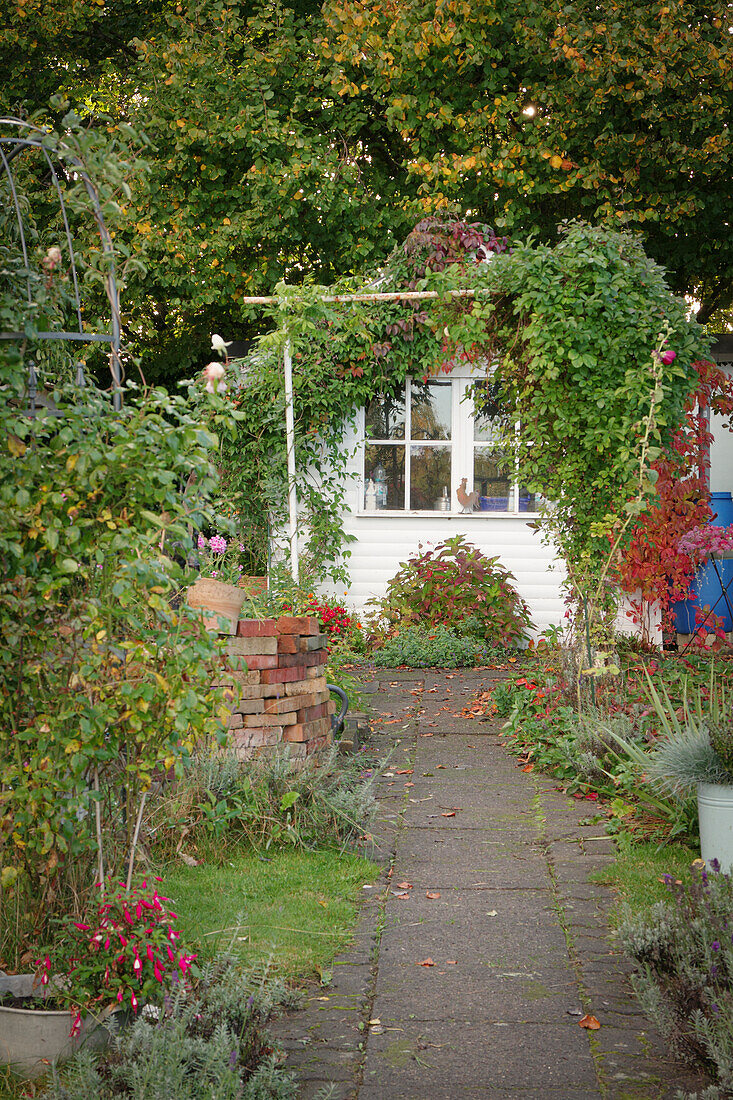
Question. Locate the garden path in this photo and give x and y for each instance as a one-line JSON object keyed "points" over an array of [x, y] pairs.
{"points": [[495, 866]]}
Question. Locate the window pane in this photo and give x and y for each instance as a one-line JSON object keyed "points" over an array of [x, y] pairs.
{"points": [[385, 417], [430, 408], [384, 466], [429, 477], [488, 416], [492, 484]]}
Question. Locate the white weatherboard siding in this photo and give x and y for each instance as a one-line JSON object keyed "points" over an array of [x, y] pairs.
{"points": [[384, 539]]}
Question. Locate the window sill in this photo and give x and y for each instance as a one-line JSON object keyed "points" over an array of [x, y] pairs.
{"points": [[387, 513]]}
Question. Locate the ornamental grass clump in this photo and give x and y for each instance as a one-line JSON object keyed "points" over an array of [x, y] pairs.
{"points": [[456, 586], [683, 950]]}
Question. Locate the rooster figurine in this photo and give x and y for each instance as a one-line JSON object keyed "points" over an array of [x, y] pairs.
{"points": [[468, 501]]}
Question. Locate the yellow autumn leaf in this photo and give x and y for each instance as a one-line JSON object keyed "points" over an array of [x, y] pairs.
{"points": [[556, 161], [8, 875]]}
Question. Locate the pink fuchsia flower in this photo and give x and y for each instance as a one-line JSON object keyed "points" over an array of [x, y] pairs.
{"points": [[668, 357], [218, 544], [76, 1026], [133, 999]]}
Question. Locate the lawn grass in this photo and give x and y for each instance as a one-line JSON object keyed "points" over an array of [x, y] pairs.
{"points": [[292, 908], [637, 873]]}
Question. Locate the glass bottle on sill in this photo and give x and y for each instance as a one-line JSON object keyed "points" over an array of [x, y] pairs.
{"points": [[370, 497], [380, 486]]}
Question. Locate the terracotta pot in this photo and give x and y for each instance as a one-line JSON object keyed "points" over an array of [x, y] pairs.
{"points": [[252, 586], [223, 602], [31, 1039]]}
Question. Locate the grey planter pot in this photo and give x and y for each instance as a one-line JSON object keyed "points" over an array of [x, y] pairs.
{"points": [[715, 807], [32, 1039]]}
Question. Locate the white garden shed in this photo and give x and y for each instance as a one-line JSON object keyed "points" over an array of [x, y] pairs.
{"points": [[408, 457]]}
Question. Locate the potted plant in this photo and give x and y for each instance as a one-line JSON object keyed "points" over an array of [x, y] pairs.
{"points": [[695, 756], [218, 589], [93, 976]]}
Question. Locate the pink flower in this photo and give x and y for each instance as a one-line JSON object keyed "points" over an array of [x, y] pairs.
{"points": [[201, 542], [76, 1026], [133, 999], [157, 971], [137, 965], [120, 995], [81, 927], [668, 357], [213, 373], [218, 544]]}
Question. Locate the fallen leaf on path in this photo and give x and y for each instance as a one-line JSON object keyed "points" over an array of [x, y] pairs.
{"points": [[399, 894], [451, 813], [590, 1022], [528, 768], [439, 766], [409, 785], [404, 771], [451, 962], [405, 885], [492, 913], [433, 895], [426, 962]]}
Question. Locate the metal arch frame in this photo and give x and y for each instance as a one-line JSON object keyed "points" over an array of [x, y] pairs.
{"points": [[33, 138]]}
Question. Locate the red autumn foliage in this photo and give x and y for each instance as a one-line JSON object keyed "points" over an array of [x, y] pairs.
{"points": [[653, 570]]}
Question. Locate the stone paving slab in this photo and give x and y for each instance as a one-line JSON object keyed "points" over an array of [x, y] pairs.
{"points": [[519, 935]]}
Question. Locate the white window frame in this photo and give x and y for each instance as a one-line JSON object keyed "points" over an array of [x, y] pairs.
{"points": [[461, 443]]}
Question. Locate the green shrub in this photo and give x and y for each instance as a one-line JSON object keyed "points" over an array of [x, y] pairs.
{"points": [[441, 648], [683, 950], [457, 586], [205, 1045]]}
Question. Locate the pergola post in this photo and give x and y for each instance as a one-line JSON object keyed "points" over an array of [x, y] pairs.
{"points": [[290, 438]]}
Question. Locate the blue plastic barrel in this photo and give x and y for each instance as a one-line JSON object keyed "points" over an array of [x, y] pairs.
{"points": [[722, 506], [705, 588]]}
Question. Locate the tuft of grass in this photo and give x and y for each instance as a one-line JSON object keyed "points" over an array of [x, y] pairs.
{"points": [[637, 873], [292, 908]]}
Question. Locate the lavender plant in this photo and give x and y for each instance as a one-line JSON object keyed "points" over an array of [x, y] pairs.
{"points": [[683, 949]]}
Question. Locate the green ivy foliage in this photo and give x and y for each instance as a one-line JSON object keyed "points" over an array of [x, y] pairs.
{"points": [[575, 335]]}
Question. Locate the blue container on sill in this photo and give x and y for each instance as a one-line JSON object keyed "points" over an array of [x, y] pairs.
{"points": [[493, 504]]}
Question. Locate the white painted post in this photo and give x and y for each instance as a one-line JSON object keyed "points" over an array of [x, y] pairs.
{"points": [[290, 436]]}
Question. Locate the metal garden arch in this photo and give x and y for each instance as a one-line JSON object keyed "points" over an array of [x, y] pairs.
{"points": [[17, 137]]}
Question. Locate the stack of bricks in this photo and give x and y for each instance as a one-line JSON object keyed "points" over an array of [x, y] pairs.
{"points": [[283, 697]]}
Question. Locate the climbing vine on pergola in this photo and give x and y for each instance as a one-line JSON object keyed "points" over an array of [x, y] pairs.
{"points": [[578, 335]]}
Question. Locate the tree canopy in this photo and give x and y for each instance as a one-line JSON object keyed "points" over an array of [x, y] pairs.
{"points": [[293, 141]]}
